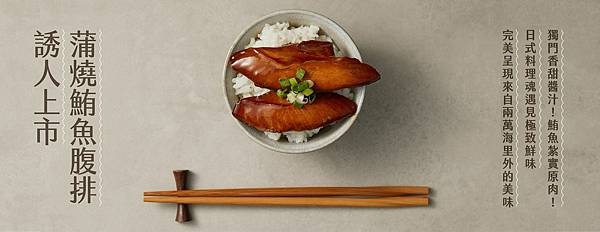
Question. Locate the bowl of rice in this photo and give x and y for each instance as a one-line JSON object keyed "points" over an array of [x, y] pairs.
{"points": [[283, 28]]}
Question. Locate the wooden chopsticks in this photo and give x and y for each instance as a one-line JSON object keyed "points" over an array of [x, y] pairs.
{"points": [[379, 191], [373, 196], [297, 201]]}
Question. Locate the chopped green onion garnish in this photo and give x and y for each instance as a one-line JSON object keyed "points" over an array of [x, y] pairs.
{"points": [[298, 105], [284, 83], [303, 85], [291, 97], [311, 98], [297, 93], [308, 92], [281, 93], [300, 73], [293, 81], [295, 88]]}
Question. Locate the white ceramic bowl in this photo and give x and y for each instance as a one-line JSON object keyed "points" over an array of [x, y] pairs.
{"points": [[343, 42]]}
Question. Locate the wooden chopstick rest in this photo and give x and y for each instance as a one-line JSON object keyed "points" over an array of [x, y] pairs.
{"points": [[183, 213]]}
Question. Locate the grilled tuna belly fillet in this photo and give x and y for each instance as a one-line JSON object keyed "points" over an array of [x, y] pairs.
{"points": [[265, 66], [271, 113]]}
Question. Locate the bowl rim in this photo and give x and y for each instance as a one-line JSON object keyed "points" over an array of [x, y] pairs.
{"points": [[358, 93]]}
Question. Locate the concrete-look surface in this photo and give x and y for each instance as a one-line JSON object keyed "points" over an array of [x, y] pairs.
{"points": [[433, 119]]}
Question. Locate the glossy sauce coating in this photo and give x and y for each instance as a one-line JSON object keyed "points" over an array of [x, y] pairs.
{"points": [[271, 113], [265, 66]]}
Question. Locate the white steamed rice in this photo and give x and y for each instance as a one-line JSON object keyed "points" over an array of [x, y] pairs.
{"points": [[277, 35]]}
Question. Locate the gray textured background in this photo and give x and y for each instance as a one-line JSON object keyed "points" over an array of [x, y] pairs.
{"points": [[432, 119]]}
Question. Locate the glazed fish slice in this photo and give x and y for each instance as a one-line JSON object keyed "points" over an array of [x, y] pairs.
{"points": [[266, 66], [270, 113], [290, 54]]}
